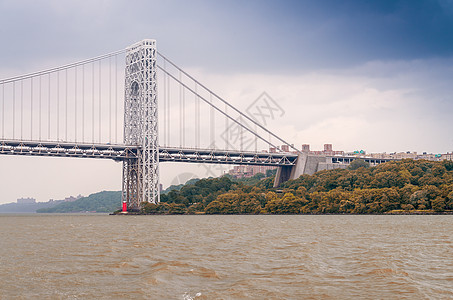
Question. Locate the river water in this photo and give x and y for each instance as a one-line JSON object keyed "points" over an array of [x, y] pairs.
{"points": [[225, 257]]}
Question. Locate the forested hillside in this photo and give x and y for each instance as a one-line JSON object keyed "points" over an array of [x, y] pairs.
{"points": [[406, 186], [105, 201]]}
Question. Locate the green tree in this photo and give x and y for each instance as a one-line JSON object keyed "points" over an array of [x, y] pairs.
{"points": [[270, 173], [358, 163]]}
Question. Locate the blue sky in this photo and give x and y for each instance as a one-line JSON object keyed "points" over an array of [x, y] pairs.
{"points": [[373, 75]]}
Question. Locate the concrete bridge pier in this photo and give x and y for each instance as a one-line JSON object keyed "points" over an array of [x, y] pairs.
{"points": [[283, 174], [305, 164]]}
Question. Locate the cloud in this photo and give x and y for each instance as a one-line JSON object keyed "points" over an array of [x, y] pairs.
{"points": [[385, 106]]}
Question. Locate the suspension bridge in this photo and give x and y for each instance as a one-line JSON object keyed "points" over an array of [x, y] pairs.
{"points": [[138, 107]]}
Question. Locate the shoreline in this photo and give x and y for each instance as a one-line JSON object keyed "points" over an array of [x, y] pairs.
{"points": [[393, 212]]}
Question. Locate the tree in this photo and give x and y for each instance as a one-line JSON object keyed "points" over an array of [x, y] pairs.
{"points": [[390, 179], [177, 209], [448, 164], [224, 204], [438, 204], [288, 204], [270, 173], [259, 176], [449, 201], [358, 163]]}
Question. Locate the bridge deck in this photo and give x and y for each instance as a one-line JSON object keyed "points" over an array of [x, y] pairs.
{"points": [[120, 152]]}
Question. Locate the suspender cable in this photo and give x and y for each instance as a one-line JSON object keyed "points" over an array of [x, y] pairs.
{"points": [[227, 129], [39, 126], [100, 113], [212, 124], [14, 108], [256, 141], [183, 116], [66, 106], [58, 106], [269, 145], [168, 111], [83, 103], [241, 140], [48, 109], [92, 103], [180, 113], [61, 68], [216, 107], [195, 119], [21, 109], [196, 116], [116, 99], [231, 106], [165, 106], [3, 111], [75, 105], [110, 100], [31, 109]]}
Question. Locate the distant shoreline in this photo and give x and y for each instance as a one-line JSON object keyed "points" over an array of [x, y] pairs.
{"points": [[394, 213]]}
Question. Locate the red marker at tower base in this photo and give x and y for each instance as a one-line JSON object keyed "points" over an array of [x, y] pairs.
{"points": [[124, 207]]}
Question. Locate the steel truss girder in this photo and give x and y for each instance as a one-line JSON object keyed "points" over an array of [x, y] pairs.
{"points": [[60, 149], [128, 153], [226, 157]]}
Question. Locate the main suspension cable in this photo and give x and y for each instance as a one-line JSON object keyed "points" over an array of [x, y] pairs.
{"points": [[215, 107], [61, 68], [226, 103]]}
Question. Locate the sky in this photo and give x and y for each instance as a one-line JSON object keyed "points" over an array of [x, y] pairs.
{"points": [[371, 75]]}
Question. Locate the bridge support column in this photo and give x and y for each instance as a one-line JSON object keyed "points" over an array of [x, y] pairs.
{"points": [[285, 173], [305, 164], [131, 185], [141, 176]]}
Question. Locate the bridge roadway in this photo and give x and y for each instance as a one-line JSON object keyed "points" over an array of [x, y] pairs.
{"points": [[119, 152]]}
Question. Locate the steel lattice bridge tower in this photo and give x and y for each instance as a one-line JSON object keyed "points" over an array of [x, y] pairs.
{"points": [[141, 174], [72, 111]]}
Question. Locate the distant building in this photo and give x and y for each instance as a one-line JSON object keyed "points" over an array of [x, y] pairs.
{"points": [[448, 156], [412, 155], [72, 198], [328, 150], [248, 171], [339, 159], [26, 200]]}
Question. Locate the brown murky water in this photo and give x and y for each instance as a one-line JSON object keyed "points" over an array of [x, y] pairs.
{"points": [[225, 257]]}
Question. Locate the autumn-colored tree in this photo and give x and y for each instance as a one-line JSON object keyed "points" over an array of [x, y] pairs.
{"points": [[405, 184], [288, 204], [438, 204]]}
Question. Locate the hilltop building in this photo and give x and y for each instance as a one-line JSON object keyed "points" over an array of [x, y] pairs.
{"points": [[333, 159], [245, 171], [26, 201]]}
